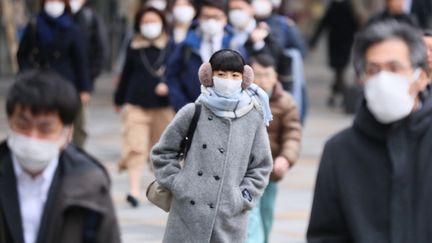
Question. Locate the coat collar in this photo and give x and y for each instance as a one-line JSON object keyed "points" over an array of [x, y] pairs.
{"points": [[139, 42], [194, 37], [277, 92], [417, 122]]}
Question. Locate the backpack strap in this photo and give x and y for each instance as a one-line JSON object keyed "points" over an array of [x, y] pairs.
{"points": [[187, 141]]}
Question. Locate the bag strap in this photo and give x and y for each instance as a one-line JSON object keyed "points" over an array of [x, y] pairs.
{"points": [[187, 141]]}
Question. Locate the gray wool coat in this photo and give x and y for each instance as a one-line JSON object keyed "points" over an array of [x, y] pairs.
{"points": [[227, 158]]}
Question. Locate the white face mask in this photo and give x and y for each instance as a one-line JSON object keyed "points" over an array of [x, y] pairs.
{"points": [[239, 18], [262, 8], [32, 154], [387, 96], [75, 6], [54, 9], [183, 14], [211, 27], [151, 30], [276, 3], [226, 87], [159, 5]]}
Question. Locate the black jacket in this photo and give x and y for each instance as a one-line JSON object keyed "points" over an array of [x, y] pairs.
{"points": [[65, 55], [94, 40], [374, 183], [143, 71], [78, 209], [341, 23]]}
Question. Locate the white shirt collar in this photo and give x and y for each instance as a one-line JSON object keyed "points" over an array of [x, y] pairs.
{"points": [[47, 175]]}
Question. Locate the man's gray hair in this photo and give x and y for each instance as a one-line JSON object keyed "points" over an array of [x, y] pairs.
{"points": [[386, 30]]}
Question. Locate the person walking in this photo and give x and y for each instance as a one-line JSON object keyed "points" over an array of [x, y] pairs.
{"points": [[340, 21], [143, 95], [52, 41], [210, 35], [374, 178], [285, 142], [229, 161], [94, 41], [50, 191]]}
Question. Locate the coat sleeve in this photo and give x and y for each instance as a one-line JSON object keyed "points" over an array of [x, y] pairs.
{"points": [[327, 223], [174, 70], [164, 153], [80, 63], [122, 86], [109, 231], [25, 47], [98, 52], [291, 133], [258, 171]]}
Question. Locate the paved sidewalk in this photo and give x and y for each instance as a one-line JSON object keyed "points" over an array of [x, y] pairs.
{"points": [[146, 224]]}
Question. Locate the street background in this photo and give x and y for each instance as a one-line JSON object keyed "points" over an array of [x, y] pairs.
{"points": [[146, 224]]}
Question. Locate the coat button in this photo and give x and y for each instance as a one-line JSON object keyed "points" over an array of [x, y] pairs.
{"points": [[210, 117], [204, 146], [200, 173], [192, 202], [211, 205], [217, 178], [221, 150]]}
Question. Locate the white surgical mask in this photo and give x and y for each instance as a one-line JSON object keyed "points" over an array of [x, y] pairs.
{"points": [[211, 27], [159, 5], [262, 8], [75, 6], [226, 87], [387, 96], [151, 30], [33, 154], [54, 9], [183, 14], [238, 18], [276, 3]]}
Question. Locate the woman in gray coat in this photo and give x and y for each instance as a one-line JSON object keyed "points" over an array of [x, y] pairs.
{"points": [[229, 161]]}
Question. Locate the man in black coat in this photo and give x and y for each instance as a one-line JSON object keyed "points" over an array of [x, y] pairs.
{"points": [[94, 40], [50, 191], [374, 184]]}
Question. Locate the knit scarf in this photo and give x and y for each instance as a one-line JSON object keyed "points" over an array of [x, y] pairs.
{"points": [[238, 104], [48, 27]]}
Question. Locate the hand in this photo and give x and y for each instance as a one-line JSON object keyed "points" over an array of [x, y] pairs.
{"points": [[260, 32], [280, 167], [161, 89], [85, 97]]}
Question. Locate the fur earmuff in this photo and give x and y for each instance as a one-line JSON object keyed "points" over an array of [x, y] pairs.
{"points": [[248, 76], [205, 75]]}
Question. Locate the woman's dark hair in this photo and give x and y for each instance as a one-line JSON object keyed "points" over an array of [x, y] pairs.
{"points": [[142, 12], [44, 92], [227, 60], [66, 2]]}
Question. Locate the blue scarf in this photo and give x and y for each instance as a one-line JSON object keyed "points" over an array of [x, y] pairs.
{"points": [[238, 104], [47, 26]]}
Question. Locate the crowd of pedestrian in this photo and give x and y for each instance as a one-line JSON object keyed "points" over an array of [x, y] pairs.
{"points": [[231, 72]]}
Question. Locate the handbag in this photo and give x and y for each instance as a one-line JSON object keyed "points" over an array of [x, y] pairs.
{"points": [[158, 195]]}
